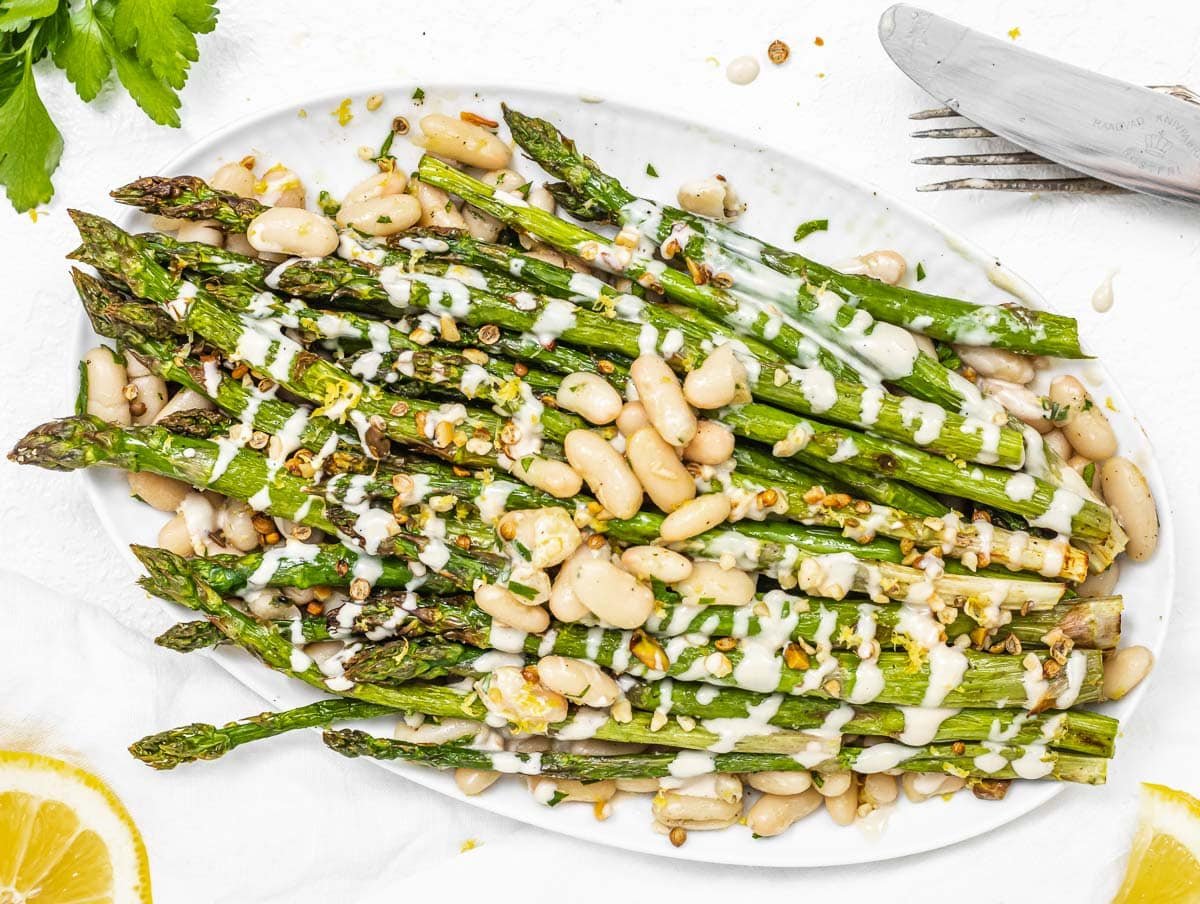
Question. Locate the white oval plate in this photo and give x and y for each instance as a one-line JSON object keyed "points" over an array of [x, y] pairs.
{"points": [[782, 191]]}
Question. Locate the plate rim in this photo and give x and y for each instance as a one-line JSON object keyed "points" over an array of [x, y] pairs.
{"points": [[866, 852]]}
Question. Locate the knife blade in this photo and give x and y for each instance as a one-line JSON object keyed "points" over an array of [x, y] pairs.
{"points": [[1122, 133]]}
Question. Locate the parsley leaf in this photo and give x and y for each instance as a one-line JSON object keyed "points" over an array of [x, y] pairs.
{"points": [[32, 146], [157, 100], [150, 43], [161, 38], [19, 14], [920, 271], [81, 54], [651, 171], [808, 228]]}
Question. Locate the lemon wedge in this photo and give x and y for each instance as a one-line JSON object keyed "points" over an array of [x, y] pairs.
{"points": [[1164, 865], [65, 838]]}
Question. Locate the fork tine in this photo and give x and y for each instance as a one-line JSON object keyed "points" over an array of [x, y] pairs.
{"points": [[1080, 185], [962, 132], [936, 113], [1015, 158]]}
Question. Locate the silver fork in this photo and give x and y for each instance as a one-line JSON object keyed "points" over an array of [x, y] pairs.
{"points": [[1070, 181]]}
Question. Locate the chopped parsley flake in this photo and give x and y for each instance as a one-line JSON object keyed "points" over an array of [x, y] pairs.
{"points": [[808, 228]]}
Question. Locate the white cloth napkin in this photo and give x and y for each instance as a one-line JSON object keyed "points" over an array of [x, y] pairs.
{"points": [[288, 821]]}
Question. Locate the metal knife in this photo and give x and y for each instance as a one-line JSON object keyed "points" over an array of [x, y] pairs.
{"points": [[1122, 133]]}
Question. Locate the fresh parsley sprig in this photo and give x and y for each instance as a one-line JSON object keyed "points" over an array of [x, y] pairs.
{"points": [[150, 44]]}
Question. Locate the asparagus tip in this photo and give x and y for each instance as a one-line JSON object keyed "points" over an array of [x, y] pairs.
{"points": [[185, 744], [187, 637], [65, 444]]}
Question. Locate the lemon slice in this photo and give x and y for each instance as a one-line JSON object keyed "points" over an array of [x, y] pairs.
{"points": [[1164, 865], [65, 838]]}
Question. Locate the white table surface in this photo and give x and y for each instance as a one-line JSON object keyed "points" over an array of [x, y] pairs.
{"points": [[373, 837]]}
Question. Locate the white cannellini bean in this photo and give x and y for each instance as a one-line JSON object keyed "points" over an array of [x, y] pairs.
{"points": [[540, 197], [549, 534], [381, 185], [322, 651], [504, 606], [1101, 584], [695, 517], [704, 802], [637, 785], [998, 363], [1058, 442], [590, 396], [381, 216], [604, 471], [570, 790], [564, 604], [504, 179], [773, 814], [430, 732], [151, 390], [632, 418], [784, 784], [175, 537], [165, 224], [557, 478], [531, 744], [206, 232], [267, 604], [659, 470], [1079, 464], [292, 230], [1019, 401], [879, 788], [239, 244], [162, 493], [234, 521], [712, 444], [184, 400], [843, 808], [834, 783], [920, 786], [581, 682], [597, 747], [235, 179], [710, 584], [610, 593], [1128, 494], [106, 379], [301, 596], [664, 565], [712, 197], [924, 345], [480, 225], [1086, 426], [718, 381], [280, 187], [508, 693], [884, 265], [661, 395], [546, 254], [534, 582], [1125, 669], [474, 781], [463, 141], [436, 207]]}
